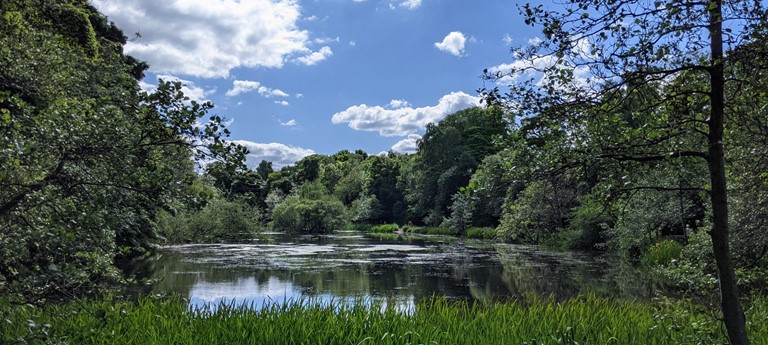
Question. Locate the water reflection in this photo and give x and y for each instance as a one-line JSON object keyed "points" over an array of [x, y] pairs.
{"points": [[351, 266]]}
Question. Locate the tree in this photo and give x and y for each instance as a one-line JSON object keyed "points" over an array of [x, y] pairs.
{"points": [[448, 154], [264, 169], [599, 55], [87, 158]]}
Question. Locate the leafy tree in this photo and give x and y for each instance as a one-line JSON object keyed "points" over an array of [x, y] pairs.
{"points": [[220, 220], [264, 169], [87, 158], [461, 213], [383, 175], [310, 210], [448, 154], [597, 53], [238, 184]]}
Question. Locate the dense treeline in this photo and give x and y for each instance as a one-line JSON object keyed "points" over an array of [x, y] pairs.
{"points": [[87, 160], [94, 171]]}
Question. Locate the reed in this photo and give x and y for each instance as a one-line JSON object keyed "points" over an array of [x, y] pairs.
{"points": [[582, 320], [385, 228]]}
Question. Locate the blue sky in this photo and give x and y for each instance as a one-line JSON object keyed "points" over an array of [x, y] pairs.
{"points": [[319, 76]]}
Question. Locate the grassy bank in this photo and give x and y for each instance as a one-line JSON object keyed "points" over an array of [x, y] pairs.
{"points": [[585, 320]]}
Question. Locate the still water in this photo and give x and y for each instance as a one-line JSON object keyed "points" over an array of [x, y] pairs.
{"points": [[351, 265]]}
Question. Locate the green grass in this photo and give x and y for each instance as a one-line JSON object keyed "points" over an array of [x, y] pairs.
{"points": [[431, 230], [481, 233], [663, 253], [583, 320], [385, 228]]}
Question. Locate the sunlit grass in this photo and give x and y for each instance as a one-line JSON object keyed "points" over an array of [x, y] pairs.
{"points": [[385, 228], [583, 320]]}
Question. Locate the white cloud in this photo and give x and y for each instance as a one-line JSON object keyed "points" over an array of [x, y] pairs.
{"points": [[194, 92], [289, 123], [208, 38], [532, 68], [147, 87], [407, 145], [453, 43], [352, 43], [299, 95], [535, 41], [311, 18], [315, 57], [411, 4], [283, 103], [398, 103], [402, 121], [326, 40], [245, 86], [279, 154], [507, 39]]}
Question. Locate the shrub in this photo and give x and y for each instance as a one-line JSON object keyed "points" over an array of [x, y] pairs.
{"points": [[481, 233], [385, 228], [662, 253], [321, 215], [220, 220], [441, 231]]}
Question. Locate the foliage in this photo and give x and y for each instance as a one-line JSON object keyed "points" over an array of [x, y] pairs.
{"points": [[694, 272], [220, 220], [651, 80], [480, 233], [663, 253], [87, 158], [385, 228], [448, 154], [430, 230], [589, 223], [539, 209], [310, 210], [461, 213], [581, 320]]}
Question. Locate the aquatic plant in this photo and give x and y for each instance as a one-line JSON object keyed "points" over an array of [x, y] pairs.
{"points": [[533, 320]]}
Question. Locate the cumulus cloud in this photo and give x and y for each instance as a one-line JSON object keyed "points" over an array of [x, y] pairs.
{"points": [[315, 57], [520, 70], [411, 4], [279, 154], [326, 40], [453, 43], [407, 145], [507, 39], [245, 86], [289, 123], [535, 41], [194, 92], [208, 38], [405, 120], [398, 103], [283, 103], [531, 67]]}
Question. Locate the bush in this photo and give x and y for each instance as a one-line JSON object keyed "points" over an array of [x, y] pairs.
{"points": [[321, 215], [441, 231], [220, 220], [430, 230], [662, 253], [385, 228], [481, 233]]}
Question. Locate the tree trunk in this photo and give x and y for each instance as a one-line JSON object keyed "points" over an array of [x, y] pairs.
{"points": [[735, 322]]}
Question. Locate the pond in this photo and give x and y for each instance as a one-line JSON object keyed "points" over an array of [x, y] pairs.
{"points": [[353, 266]]}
